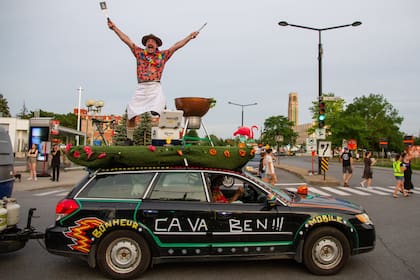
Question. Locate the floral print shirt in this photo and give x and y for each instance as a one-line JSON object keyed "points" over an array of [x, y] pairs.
{"points": [[150, 66]]}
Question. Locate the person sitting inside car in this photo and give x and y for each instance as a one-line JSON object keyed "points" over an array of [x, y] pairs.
{"points": [[218, 195]]}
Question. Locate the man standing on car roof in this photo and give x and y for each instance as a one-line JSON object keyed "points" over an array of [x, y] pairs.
{"points": [[150, 64]]}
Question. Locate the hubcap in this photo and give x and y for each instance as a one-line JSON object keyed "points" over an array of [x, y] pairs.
{"points": [[327, 252], [123, 255]]}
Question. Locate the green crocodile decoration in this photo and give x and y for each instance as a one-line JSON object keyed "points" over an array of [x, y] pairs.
{"points": [[108, 157]]}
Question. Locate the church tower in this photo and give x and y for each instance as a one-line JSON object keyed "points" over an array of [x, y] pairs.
{"points": [[293, 108]]}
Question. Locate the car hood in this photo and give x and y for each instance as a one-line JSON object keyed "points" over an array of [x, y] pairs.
{"points": [[318, 201]]}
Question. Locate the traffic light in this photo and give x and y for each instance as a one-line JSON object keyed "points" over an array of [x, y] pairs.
{"points": [[321, 116]]}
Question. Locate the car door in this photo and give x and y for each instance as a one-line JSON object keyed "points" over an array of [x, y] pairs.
{"points": [[177, 213], [249, 225]]}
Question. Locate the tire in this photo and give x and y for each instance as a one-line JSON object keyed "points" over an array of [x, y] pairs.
{"points": [[123, 254], [326, 251]]}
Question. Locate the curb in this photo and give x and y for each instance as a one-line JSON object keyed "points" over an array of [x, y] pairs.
{"points": [[67, 179], [317, 180]]}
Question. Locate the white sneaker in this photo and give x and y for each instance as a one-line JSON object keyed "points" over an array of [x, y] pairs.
{"points": [[36, 179], [30, 178], [362, 185]]}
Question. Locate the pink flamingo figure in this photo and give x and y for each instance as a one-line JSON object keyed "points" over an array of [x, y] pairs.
{"points": [[246, 131]]}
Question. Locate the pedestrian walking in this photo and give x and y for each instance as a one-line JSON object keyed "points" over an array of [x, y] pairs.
{"points": [[347, 162], [406, 163], [261, 166], [399, 176], [150, 64], [271, 176], [367, 170], [55, 163]]}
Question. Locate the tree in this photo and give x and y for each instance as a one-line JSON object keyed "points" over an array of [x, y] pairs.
{"points": [[120, 136], [4, 107], [278, 126], [377, 119], [367, 119], [143, 133]]}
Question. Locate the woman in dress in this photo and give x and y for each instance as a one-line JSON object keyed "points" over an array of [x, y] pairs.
{"points": [[367, 171], [408, 183], [32, 156]]}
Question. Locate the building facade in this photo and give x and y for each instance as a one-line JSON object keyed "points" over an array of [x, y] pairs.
{"points": [[18, 130], [293, 115]]}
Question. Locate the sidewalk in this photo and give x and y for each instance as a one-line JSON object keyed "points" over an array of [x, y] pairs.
{"points": [[317, 180], [67, 179]]}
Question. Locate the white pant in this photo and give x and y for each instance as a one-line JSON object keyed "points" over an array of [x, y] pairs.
{"points": [[148, 97]]}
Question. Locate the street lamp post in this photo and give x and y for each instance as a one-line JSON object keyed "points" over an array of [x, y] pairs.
{"points": [[78, 114], [242, 107], [320, 51], [95, 107]]}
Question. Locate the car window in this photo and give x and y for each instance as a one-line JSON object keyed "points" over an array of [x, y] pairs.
{"points": [[125, 185], [250, 193], [186, 186]]}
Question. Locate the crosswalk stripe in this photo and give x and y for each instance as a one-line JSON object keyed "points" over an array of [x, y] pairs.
{"points": [[372, 190], [336, 191], [385, 189], [354, 191], [61, 194], [47, 193], [413, 190], [315, 190], [290, 184]]}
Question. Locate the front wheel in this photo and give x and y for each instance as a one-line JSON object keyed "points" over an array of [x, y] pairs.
{"points": [[326, 251], [123, 254]]}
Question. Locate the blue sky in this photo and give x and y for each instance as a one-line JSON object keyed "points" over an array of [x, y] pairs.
{"points": [[51, 47]]}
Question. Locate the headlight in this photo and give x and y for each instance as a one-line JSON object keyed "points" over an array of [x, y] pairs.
{"points": [[364, 218], [250, 169]]}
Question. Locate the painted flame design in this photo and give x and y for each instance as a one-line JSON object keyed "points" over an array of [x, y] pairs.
{"points": [[78, 234]]}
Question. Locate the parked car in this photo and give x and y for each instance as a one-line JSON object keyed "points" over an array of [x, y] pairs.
{"points": [[253, 165], [124, 221]]}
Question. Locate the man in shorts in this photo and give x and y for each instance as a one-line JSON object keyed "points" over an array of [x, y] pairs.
{"points": [[347, 161]]}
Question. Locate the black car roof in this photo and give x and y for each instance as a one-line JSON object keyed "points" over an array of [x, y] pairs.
{"points": [[163, 168]]}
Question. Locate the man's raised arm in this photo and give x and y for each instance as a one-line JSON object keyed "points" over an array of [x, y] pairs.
{"points": [[120, 34], [184, 41]]}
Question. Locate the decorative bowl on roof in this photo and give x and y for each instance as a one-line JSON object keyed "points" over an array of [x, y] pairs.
{"points": [[194, 106]]}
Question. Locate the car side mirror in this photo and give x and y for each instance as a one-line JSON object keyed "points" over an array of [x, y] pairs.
{"points": [[270, 201]]}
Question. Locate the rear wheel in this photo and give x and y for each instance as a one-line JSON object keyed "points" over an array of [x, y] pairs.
{"points": [[123, 254], [326, 251]]}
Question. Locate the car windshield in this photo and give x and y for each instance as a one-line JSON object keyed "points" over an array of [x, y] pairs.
{"points": [[280, 193]]}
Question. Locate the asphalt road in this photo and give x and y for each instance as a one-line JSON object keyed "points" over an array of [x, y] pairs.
{"points": [[395, 256]]}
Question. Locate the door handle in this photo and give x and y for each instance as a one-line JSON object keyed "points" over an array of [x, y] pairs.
{"points": [[150, 213], [224, 214]]}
